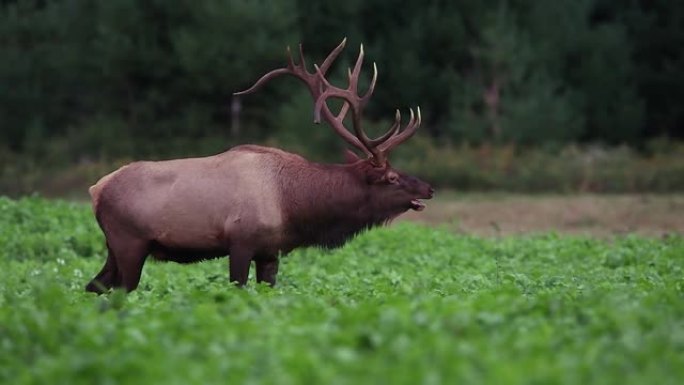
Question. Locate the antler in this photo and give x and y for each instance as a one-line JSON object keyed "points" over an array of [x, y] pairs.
{"points": [[397, 137], [352, 99], [321, 90], [315, 87]]}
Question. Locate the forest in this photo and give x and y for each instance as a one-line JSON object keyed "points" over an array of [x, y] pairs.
{"points": [[85, 81]]}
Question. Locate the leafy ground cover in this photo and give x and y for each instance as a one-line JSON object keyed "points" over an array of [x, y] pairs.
{"points": [[405, 304]]}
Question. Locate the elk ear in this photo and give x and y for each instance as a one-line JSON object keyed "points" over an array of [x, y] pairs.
{"points": [[350, 156]]}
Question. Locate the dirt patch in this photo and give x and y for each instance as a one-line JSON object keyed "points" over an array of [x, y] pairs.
{"points": [[595, 215]]}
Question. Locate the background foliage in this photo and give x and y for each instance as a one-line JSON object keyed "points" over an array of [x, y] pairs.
{"points": [[148, 78], [552, 91], [405, 305]]}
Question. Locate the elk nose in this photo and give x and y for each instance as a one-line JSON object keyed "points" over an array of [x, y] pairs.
{"points": [[431, 192]]}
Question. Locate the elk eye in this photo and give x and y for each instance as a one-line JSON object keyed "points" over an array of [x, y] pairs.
{"points": [[392, 178]]}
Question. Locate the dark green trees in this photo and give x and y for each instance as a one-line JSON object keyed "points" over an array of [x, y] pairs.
{"points": [[133, 77]]}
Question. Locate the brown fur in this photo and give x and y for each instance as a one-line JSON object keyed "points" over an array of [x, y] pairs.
{"points": [[253, 203]]}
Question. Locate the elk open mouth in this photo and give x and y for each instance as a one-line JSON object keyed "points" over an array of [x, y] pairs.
{"points": [[417, 205]]}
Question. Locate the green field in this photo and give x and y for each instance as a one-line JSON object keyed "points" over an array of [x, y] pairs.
{"points": [[407, 304]]}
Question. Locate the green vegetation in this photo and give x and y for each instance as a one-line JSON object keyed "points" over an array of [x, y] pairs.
{"points": [[405, 304], [567, 169]]}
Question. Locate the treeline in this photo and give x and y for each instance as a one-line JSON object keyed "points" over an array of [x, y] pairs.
{"points": [[88, 78]]}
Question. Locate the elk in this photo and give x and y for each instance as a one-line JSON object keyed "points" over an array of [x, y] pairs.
{"points": [[255, 203]]}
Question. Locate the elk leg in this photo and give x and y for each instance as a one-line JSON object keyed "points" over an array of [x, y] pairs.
{"points": [[239, 262], [106, 278], [266, 271], [129, 254]]}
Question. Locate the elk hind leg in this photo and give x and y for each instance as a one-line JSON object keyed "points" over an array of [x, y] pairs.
{"points": [[129, 254], [239, 262], [107, 278], [266, 270]]}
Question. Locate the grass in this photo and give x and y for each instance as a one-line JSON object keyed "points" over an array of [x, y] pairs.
{"points": [[405, 304]]}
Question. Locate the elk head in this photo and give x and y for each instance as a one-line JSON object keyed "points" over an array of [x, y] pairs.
{"points": [[396, 189]]}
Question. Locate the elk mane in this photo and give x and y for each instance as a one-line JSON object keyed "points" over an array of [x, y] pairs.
{"points": [[334, 207]]}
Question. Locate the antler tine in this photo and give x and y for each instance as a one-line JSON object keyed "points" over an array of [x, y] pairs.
{"points": [[262, 80], [354, 75], [371, 88], [291, 69], [391, 132], [332, 56], [290, 61], [298, 70], [404, 135], [343, 111], [302, 61]]}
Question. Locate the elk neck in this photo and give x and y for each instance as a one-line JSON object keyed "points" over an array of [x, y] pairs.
{"points": [[327, 204]]}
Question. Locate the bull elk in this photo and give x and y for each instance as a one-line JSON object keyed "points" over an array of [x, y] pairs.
{"points": [[255, 203]]}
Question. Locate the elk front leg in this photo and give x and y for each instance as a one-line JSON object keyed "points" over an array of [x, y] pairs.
{"points": [[266, 270], [239, 261]]}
